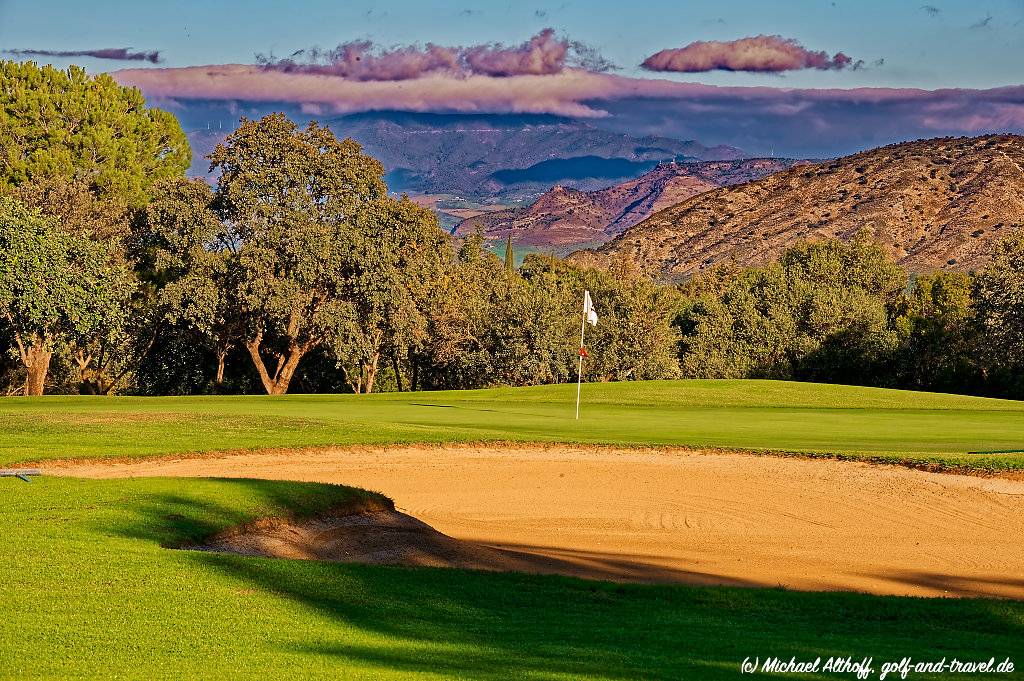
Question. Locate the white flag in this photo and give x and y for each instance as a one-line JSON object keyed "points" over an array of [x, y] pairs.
{"points": [[588, 309]]}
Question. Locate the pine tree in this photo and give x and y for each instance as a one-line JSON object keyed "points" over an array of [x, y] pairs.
{"points": [[510, 258]]}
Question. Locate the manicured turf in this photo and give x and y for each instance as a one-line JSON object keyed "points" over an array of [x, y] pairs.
{"points": [[758, 415], [87, 590]]}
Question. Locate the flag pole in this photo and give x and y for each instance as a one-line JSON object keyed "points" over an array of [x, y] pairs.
{"points": [[579, 371]]}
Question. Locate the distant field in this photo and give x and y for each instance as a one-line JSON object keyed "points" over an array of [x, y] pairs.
{"points": [[520, 251], [451, 210], [877, 424], [88, 590]]}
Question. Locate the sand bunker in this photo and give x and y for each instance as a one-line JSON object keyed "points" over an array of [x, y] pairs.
{"points": [[373, 534], [648, 516]]}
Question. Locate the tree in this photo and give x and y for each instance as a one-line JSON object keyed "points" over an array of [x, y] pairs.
{"points": [[822, 312], [76, 206], [940, 341], [634, 339], [55, 287], [299, 205], [456, 303], [510, 256], [84, 130], [398, 249], [189, 254], [999, 300]]}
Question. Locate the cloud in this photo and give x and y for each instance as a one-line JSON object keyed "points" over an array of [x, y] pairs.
{"points": [[113, 53], [543, 54], [931, 10], [760, 54], [804, 122], [563, 93], [983, 23]]}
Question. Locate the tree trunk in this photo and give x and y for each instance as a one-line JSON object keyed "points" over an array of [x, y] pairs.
{"points": [[398, 370], [371, 372], [222, 356], [284, 377], [286, 365], [87, 386], [37, 362], [414, 380]]}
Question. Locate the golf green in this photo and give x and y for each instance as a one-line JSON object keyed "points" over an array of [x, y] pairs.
{"points": [[951, 431]]}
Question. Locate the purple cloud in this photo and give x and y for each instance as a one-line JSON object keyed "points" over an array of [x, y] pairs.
{"points": [[543, 54], [112, 53], [360, 60], [792, 121], [759, 54]]}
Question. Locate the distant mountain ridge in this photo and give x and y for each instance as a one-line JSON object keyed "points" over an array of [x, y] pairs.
{"points": [[564, 216], [932, 204], [512, 156]]}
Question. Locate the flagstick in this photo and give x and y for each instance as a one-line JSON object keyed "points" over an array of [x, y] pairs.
{"points": [[579, 372]]}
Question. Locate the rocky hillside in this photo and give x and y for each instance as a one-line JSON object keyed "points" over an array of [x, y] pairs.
{"points": [[565, 217], [933, 204]]}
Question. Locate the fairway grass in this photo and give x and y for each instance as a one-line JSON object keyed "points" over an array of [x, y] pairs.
{"points": [[89, 589], [914, 428]]}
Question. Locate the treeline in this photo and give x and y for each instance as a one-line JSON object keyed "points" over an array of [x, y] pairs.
{"points": [[846, 313], [298, 271]]}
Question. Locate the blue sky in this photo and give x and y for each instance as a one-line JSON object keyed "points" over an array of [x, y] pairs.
{"points": [[919, 49]]}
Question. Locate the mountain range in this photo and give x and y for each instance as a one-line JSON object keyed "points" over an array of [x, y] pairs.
{"points": [[564, 216], [495, 156], [932, 204]]}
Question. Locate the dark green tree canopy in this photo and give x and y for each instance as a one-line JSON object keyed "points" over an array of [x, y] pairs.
{"points": [[999, 296], [820, 313]]}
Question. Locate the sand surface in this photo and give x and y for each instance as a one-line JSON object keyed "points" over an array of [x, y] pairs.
{"points": [[673, 516]]}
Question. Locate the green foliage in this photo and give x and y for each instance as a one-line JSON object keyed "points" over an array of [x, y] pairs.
{"points": [[634, 338], [820, 313], [290, 198], [77, 208], [86, 152], [397, 251], [66, 124], [187, 253], [999, 298], [321, 256], [510, 255], [488, 326], [941, 346], [56, 288]]}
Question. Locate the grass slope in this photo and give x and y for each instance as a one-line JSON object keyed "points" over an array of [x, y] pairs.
{"points": [[88, 590], [758, 415]]}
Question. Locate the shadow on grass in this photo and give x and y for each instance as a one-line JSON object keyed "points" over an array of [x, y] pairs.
{"points": [[972, 586], [509, 625], [174, 520]]}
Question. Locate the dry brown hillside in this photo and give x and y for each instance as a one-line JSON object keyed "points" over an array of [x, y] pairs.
{"points": [[566, 217], [937, 203]]}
